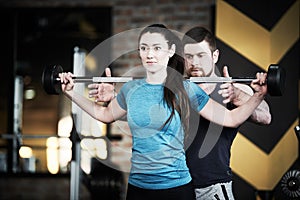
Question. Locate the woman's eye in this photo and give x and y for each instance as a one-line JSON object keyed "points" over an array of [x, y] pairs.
{"points": [[143, 48], [157, 48]]}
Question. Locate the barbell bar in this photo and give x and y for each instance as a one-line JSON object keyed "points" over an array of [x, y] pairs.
{"points": [[275, 80], [7, 136]]}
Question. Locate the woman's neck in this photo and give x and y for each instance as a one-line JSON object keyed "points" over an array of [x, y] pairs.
{"points": [[158, 77]]}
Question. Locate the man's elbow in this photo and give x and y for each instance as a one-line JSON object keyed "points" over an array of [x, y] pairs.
{"points": [[265, 119], [268, 119]]}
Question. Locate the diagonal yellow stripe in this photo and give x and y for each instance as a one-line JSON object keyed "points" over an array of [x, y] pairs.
{"points": [[285, 33], [240, 33], [263, 171], [262, 48], [253, 41]]}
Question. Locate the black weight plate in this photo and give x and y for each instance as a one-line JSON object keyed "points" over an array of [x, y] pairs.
{"points": [[276, 80], [49, 82]]}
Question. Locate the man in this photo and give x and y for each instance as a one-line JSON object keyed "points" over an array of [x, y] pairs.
{"points": [[208, 159]]}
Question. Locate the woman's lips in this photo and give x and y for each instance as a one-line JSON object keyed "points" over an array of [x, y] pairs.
{"points": [[151, 62]]}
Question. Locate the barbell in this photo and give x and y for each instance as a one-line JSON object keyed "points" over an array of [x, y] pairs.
{"points": [[275, 80]]}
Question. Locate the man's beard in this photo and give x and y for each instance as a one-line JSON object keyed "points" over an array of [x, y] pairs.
{"points": [[199, 73]]}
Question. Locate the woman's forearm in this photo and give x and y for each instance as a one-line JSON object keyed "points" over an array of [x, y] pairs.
{"points": [[95, 110], [218, 114], [261, 114], [246, 110]]}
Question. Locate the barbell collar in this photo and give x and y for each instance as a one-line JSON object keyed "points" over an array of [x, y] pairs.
{"points": [[112, 79], [219, 80]]}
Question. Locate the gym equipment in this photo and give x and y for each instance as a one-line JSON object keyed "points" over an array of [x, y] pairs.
{"points": [[290, 184], [275, 80]]}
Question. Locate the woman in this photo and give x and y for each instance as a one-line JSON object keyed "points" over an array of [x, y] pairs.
{"points": [[157, 110]]}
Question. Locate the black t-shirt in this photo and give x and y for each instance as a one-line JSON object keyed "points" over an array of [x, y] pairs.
{"points": [[208, 148]]}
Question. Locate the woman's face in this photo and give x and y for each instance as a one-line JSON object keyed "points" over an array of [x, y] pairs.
{"points": [[154, 52]]}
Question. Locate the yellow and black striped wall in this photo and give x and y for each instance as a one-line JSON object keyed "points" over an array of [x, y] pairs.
{"points": [[251, 35]]}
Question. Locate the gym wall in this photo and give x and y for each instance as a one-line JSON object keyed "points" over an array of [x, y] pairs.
{"points": [[251, 36]]}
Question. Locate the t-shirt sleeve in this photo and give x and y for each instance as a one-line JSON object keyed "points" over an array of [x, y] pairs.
{"points": [[198, 98]]}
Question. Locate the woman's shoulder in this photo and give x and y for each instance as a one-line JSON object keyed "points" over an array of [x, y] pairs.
{"points": [[188, 83], [192, 87], [133, 83]]}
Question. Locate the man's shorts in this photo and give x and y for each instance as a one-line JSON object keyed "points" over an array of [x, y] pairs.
{"points": [[219, 191]]}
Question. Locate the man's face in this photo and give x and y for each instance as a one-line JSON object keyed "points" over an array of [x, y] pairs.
{"points": [[199, 60]]}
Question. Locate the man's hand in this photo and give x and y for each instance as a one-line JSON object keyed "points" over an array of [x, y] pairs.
{"points": [[259, 84], [239, 94], [102, 92], [227, 90]]}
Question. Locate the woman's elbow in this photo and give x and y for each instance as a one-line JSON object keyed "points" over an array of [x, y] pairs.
{"points": [[232, 120], [106, 119], [234, 123]]}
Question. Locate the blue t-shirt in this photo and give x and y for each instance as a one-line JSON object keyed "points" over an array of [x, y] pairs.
{"points": [[158, 157]]}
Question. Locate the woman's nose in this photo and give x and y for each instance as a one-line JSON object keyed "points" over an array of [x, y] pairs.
{"points": [[150, 53]]}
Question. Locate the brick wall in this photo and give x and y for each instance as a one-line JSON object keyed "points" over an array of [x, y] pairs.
{"points": [[176, 14]]}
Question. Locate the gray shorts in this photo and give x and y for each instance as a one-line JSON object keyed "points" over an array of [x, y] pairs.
{"points": [[219, 191]]}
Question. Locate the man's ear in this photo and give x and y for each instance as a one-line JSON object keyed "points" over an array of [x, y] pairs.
{"points": [[215, 56], [172, 50]]}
